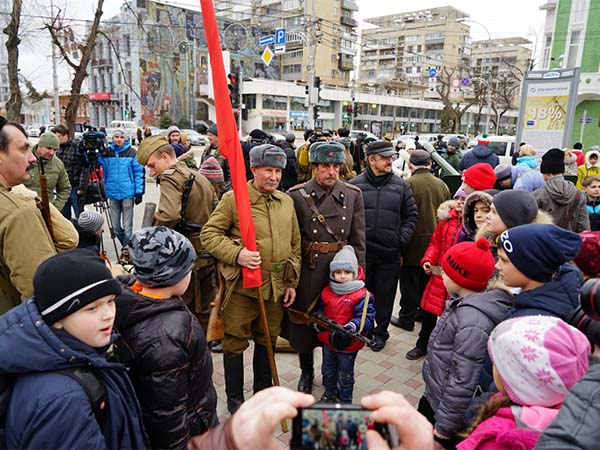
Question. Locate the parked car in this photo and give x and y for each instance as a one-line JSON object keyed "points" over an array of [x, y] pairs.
{"points": [[194, 137], [354, 134], [33, 130]]}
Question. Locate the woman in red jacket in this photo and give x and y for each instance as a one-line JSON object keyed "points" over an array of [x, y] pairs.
{"points": [[434, 297]]}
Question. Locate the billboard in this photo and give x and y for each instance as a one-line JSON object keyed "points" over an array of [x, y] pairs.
{"points": [[548, 100]]}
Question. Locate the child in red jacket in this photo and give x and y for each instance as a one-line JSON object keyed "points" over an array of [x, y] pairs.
{"points": [[346, 301], [435, 295]]}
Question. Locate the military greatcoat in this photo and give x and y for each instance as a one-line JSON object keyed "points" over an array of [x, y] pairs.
{"points": [[344, 212]]}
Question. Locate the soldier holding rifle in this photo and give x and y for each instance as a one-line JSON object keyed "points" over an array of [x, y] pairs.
{"points": [[278, 240], [185, 204]]}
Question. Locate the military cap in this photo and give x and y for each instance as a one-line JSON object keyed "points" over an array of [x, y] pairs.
{"points": [[149, 146], [327, 153], [268, 155]]}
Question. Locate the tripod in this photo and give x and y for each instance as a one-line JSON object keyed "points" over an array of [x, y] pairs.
{"points": [[100, 202]]}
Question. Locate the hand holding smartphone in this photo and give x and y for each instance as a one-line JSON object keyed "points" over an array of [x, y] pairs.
{"points": [[337, 426]]}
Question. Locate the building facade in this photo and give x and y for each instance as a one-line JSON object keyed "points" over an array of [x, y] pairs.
{"points": [[570, 40]]}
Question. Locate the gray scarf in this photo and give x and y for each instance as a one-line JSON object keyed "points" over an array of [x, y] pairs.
{"points": [[346, 288]]}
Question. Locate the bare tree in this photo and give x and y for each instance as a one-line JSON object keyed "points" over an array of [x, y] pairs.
{"points": [[452, 106], [13, 107], [63, 37]]}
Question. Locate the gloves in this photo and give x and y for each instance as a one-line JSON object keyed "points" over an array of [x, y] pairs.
{"points": [[138, 199], [350, 326]]}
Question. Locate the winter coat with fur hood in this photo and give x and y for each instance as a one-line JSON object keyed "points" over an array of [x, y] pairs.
{"points": [[587, 170], [456, 352], [445, 236], [469, 227]]}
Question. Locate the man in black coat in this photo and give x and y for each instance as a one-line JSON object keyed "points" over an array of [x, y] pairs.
{"points": [[391, 217]]}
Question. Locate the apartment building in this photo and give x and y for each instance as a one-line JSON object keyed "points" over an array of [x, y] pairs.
{"points": [[571, 40], [398, 50]]}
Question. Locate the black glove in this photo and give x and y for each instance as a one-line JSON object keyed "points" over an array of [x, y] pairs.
{"points": [[138, 199]]}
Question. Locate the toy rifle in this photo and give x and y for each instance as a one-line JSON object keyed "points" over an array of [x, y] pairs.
{"points": [[215, 329], [331, 325], [45, 202]]}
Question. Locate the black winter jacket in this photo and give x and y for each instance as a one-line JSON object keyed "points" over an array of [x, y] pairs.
{"points": [[390, 215], [171, 367]]}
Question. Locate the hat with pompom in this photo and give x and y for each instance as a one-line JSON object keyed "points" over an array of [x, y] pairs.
{"points": [[469, 264]]}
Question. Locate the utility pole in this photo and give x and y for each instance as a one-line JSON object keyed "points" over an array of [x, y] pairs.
{"points": [[312, 49], [55, 75]]}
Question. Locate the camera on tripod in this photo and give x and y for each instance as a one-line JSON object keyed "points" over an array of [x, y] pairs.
{"points": [[92, 142], [586, 317], [91, 145]]}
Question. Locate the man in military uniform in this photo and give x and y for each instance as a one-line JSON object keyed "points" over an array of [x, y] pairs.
{"points": [[278, 256], [331, 214], [59, 188], [24, 238], [185, 204]]}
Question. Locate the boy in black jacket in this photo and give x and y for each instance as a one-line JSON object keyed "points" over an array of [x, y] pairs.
{"points": [[171, 366]]}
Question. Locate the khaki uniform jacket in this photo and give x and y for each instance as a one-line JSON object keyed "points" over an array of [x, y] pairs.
{"points": [[429, 192], [277, 237], [59, 187], [199, 204], [24, 244]]}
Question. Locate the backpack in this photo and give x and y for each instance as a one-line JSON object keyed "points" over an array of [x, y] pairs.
{"points": [[302, 163], [92, 385]]}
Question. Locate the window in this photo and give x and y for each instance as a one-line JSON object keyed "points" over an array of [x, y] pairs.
{"points": [[297, 104], [292, 68], [274, 102], [335, 12], [249, 100], [127, 45], [412, 38], [574, 49]]}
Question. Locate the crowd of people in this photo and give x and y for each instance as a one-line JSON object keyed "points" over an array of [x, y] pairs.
{"points": [[493, 270]]}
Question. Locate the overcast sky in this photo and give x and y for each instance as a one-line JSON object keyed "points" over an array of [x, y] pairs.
{"points": [[503, 18]]}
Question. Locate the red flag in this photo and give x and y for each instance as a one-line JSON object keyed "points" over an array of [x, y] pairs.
{"points": [[229, 143]]}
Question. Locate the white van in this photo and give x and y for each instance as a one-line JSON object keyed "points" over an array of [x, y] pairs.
{"points": [[503, 146]]}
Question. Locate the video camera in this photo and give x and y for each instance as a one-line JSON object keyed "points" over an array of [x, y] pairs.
{"points": [[319, 135], [92, 142], [586, 317]]}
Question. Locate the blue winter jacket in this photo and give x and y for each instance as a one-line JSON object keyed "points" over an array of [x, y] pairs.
{"points": [[123, 175], [49, 410], [557, 298], [479, 154]]}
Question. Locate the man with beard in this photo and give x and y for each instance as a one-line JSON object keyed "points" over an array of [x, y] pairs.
{"points": [[391, 218], [331, 214]]}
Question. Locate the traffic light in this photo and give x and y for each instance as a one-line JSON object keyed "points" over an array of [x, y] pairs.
{"points": [[126, 114], [234, 89], [318, 86], [316, 112], [133, 113], [355, 110]]}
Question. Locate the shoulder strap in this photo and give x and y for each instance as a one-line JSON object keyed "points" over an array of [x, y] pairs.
{"points": [[187, 188], [311, 204], [94, 389], [364, 312]]}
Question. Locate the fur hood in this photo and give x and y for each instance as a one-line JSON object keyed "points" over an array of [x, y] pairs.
{"points": [[468, 219], [542, 217], [443, 211], [587, 158]]}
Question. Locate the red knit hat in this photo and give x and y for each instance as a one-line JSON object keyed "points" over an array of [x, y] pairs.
{"points": [[469, 264], [480, 176], [588, 259]]}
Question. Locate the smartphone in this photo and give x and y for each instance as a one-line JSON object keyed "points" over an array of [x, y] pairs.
{"points": [[336, 426]]}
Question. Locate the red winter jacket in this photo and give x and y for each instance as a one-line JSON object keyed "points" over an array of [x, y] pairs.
{"points": [[344, 309], [445, 236]]}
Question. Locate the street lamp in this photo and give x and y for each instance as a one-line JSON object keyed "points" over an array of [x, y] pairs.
{"points": [[489, 74]]}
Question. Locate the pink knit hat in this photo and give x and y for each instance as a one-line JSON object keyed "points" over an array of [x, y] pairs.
{"points": [[539, 358]]}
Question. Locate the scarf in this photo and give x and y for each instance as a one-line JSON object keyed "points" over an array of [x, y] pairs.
{"points": [[346, 288], [377, 180]]}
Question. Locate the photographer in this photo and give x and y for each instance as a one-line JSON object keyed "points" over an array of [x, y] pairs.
{"points": [[253, 425]]}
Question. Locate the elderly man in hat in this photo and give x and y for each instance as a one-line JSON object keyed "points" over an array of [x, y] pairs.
{"points": [[331, 214], [185, 204], [278, 256], [124, 185], [430, 192], [59, 188], [391, 217]]}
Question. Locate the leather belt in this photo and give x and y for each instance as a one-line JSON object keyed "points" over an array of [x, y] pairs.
{"points": [[326, 247], [272, 267]]}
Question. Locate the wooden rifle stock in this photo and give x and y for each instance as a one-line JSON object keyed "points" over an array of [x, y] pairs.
{"points": [[45, 202], [215, 329]]}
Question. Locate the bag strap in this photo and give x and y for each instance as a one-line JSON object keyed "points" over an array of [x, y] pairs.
{"points": [[187, 188], [94, 390], [363, 316], [311, 204]]}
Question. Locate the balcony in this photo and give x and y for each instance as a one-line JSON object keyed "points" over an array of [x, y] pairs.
{"points": [[345, 62], [350, 5], [348, 21], [98, 62]]}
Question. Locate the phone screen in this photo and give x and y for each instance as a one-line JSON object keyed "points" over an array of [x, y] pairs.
{"points": [[336, 426]]}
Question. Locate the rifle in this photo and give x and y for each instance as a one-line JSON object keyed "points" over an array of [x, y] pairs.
{"points": [[215, 329], [331, 325], [45, 206]]}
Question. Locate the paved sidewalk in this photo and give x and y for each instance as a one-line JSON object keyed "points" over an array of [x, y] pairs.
{"points": [[374, 371]]}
